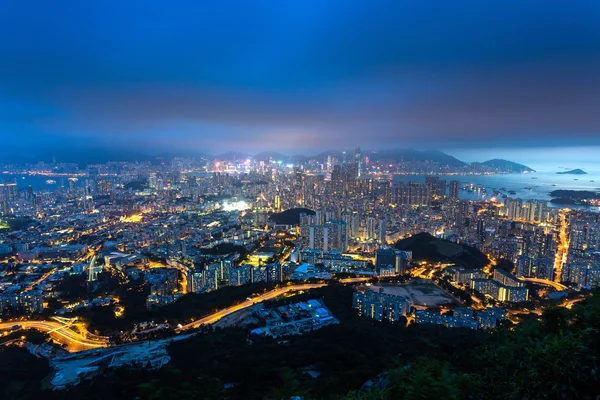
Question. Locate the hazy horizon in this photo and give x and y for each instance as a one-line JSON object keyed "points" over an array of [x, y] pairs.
{"points": [[291, 76]]}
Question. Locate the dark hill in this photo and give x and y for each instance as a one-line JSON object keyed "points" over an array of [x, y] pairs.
{"points": [[425, 247], [136, 185], [575, 194], [291, 216]]}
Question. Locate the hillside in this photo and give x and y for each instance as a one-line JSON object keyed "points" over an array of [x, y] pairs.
{"points": [[575, 194], [501, 165], [426, 247], [291, 216], [266, 155]]}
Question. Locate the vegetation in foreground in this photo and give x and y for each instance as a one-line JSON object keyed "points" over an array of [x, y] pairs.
{"points": [[555, 357]]}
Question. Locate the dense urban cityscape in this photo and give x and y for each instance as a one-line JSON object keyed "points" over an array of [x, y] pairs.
{"points": [[284, 200], [129, 238]]}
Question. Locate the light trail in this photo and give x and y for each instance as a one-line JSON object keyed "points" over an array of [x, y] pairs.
{"points": [[555, 285], [563, 246], [61, 332], [211, 319], [78, 342]]}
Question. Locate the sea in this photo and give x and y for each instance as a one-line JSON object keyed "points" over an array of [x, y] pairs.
{"points": [[39, 183], [528, 186]]}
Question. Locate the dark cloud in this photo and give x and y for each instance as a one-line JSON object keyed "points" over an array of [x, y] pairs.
{"points": [[295, 76]]}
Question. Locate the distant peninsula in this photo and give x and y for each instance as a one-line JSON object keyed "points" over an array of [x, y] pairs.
{"points": [[573, 172]]}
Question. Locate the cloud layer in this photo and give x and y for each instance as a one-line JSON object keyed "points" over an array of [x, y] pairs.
{"points": [[272, 75]]}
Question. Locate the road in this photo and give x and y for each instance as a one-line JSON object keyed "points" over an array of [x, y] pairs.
{"points": [[555, 285], [355, 280], [211, 319], [569, 303], [563, 246], [61, 333]]}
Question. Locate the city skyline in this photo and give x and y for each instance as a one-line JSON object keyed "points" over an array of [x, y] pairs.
{"points": [[299, 200], [299, 78]]}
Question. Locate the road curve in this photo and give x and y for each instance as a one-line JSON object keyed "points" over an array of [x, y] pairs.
{"points": [[77, 342], [60, 332], [555, 285]]}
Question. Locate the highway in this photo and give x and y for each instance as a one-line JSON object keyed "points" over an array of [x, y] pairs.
{"points": [[212, 318], [355, 280], [59, 332], [555, 285]]}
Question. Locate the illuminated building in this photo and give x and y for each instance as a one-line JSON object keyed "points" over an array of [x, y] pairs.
{"points": [[259, 274], [382, 231], [380, 306], [454, 190], [427, 317], [398, 259], [240, 275]]}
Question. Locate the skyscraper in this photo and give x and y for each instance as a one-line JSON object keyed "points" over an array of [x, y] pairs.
{"points": [[358, 160], [382, 231], [454, 190]]}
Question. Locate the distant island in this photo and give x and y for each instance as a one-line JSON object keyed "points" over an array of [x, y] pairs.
{"points": [[575, 197], [573, 172]]}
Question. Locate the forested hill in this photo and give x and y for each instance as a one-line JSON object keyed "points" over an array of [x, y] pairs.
{"points": [[426, 247], [291, 216]]}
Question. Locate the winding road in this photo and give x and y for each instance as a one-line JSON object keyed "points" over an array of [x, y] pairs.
{"points": [[60, 329], [60, 332]]}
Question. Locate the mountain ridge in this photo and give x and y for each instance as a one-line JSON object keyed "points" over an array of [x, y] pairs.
{"points": [[505, 165], [98, 156]]}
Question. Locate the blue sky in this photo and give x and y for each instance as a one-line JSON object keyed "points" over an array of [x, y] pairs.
{"points": [[298, 76]]}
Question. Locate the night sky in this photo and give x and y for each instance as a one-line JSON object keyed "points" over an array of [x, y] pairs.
{"points": [[469, 77]]}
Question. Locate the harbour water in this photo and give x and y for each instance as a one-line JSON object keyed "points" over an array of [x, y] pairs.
{"points": [[529, 186], [37, 182]]}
